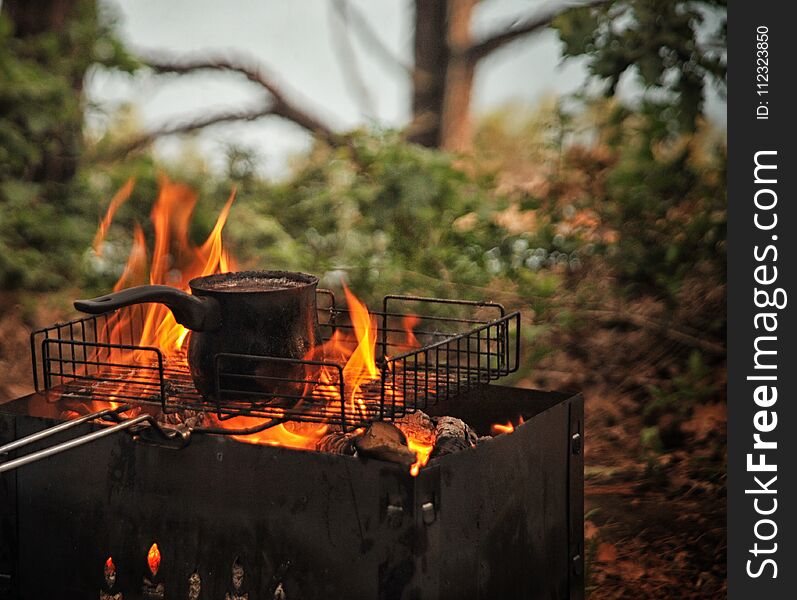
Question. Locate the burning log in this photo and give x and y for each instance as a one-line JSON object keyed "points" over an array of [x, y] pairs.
{"points": [[338, 442], [418, 426], [452, 435], [385, 441], [412, 440]]}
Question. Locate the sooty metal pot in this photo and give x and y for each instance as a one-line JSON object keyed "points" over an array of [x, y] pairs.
{"points": [[260, 313]]}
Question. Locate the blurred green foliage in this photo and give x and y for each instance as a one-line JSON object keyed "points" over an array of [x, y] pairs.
{"points": [[43, 209], [674, 48], [666, 198], [550, 207], [381, 214]]}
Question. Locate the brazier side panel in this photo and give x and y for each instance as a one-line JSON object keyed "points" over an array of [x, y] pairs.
{"points": [[512, 537], [502, 520]]}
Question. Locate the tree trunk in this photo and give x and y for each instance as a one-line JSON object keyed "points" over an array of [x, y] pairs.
{"points": [[429, 74], [62, 144], [31, 18], [443, 75], [457, 132]]}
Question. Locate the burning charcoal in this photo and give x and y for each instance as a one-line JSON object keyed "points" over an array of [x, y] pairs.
{"points": [[337, 442], [189, 418], [417, 426], [153, 589], [171, 388], [237, 592], [452, 435], [275, 588], [109, 574], [194, 586], [75, 391], [385, 441], [279, 593]]}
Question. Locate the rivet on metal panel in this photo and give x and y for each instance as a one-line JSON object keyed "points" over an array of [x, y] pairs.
{"points": [[577, 564], [394, 515], [427, 510], [575, 443]]}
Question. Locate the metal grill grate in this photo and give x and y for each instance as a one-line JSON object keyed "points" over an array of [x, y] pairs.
{"points": [[453, 345]]}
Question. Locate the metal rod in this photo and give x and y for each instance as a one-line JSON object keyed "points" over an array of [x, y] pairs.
{"points": [[45, 433], [74, 443]]}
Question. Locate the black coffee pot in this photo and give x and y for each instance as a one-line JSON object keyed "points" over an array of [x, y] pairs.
{"points": [[258, 313]]}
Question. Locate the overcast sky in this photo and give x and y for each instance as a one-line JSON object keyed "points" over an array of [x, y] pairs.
{"points": [[296, 40]]}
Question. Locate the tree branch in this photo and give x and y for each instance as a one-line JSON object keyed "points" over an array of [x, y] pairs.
{"points": [[280, 105], [527, 26], [363, 29], [145, 139], [339, 23]]}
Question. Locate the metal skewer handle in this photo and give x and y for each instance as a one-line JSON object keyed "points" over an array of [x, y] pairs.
{"points": [[84, 439]]}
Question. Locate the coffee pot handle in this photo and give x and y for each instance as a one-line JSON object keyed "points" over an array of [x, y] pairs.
{"points": [[194, 312]]}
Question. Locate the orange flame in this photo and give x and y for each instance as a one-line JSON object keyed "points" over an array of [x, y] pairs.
{"points": [[508, 427], [109, 566], [361, 366], [154, 559], [422, 453], [135, 272], [175, 261], [300, 436], [119, 198], [409, 322]]}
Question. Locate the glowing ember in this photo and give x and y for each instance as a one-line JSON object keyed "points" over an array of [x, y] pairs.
{"points": [[154, 559]]}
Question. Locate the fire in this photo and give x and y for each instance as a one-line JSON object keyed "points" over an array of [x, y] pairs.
{"points": [[300, 436], [154, 559], [422, 452], [175, 260], [109, 566], [361, 366], [508, 427], [135, 272], [409, 323], [119, 198]]}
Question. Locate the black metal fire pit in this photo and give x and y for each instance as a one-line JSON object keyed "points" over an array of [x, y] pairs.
{"points": [[151, 516], [502, 520]]}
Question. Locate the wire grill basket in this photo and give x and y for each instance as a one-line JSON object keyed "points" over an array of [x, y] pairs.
{"points": [[426, 349]]}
